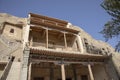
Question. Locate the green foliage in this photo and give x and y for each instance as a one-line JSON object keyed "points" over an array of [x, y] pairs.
{"points": [[112, 28]]}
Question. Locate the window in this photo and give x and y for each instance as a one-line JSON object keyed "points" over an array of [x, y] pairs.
{"points": [[84, 77], [12, 30]]}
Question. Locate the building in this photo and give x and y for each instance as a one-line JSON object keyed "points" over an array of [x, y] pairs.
{"points": [[45, 48]]}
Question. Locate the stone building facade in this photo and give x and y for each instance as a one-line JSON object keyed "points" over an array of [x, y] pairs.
{"points": [[45, 48]]}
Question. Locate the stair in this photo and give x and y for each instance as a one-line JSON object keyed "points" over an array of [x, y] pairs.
{"points": [[14, 72]]}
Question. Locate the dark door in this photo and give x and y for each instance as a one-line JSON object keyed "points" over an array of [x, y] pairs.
{"points": [[68, 79], [84, 77], [38, 78]]}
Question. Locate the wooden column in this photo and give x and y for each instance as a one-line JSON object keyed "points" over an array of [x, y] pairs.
{"points": [[65, 41], [51, 72], [90, 72], [46, 38], [29, 72], [74, 72], [31, 40], [63, 72], [80, 45]]}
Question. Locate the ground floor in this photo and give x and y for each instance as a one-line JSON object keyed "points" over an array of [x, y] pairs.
{"points": [[58, 71]]}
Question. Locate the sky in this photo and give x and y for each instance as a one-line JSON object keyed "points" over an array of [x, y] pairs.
{"points": [[87, 14]]}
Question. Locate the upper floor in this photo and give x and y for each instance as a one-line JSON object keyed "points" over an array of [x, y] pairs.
{"points": [[50, 33], [44, 32]]}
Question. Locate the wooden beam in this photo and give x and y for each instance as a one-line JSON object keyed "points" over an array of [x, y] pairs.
{"points": [[67, 62]]}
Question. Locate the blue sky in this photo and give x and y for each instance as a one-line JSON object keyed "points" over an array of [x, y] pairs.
{"points": [[87, 14]]}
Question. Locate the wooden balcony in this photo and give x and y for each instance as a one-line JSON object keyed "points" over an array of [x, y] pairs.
{"points": [[39, 45]]}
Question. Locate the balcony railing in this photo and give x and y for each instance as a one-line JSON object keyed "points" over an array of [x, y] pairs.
{"points": [[53, 46]]}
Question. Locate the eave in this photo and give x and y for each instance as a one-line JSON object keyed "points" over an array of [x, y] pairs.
{"points": [[66, 55]]}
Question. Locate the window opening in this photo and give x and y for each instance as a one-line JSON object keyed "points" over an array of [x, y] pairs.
{"points": [[12, 30]]}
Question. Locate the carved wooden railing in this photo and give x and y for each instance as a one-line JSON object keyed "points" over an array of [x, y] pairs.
{"points": [[51, 46], [7, 69]]}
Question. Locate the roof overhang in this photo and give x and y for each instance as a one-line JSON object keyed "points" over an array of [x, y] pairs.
{"points": [[49, 22], [66, 55]]}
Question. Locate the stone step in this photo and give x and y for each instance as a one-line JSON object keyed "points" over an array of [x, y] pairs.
{"points": [[14, 73]]}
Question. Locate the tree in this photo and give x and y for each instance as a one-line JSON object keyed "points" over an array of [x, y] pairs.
{"points": [[112, 28]]}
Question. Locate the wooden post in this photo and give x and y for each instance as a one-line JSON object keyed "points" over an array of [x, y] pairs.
{"points": [[63, 72], [74, 72], [90, 72], [51, 73], [65, 41], [46, 38], [79, 42], [29, 73], [31, 40]]}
